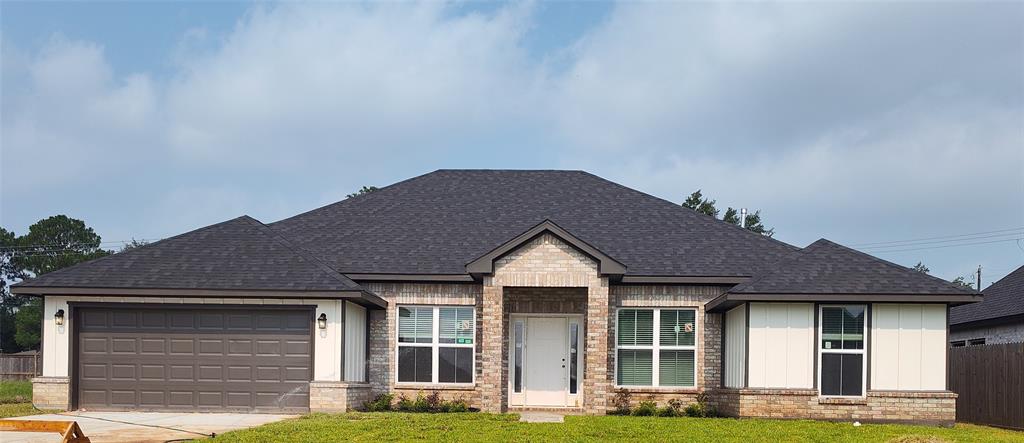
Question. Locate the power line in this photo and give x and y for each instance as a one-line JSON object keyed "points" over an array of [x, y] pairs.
{"points": [[946, 246], [72, 245], [1013, 235], [937, 238]]}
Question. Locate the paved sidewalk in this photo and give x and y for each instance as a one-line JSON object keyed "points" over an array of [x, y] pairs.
{"points": [[143, 426], [541, 417]]}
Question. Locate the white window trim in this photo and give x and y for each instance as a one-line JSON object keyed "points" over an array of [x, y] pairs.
{"points": [[436, 345], [863, 351], [656, 348]]}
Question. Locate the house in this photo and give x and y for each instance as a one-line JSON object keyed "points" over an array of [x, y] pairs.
{"points": [[998, 319], [509, 289]]}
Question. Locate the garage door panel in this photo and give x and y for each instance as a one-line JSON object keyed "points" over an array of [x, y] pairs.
{"points": [[153, 320], [240, 347], [152, 398], [153, 345], [153, 373], [192, 358], [124, 319], [93, 372], [181, 399], [94, 345], [123, 346], [122, 372]]}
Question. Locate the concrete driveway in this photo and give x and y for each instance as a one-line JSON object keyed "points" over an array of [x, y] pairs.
{"points": [[143, 426]]}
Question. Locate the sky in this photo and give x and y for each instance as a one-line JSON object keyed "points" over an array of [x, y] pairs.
{"points": [[896, 128]]}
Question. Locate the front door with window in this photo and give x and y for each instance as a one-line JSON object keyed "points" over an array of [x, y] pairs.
{"points": [[545, 365]]}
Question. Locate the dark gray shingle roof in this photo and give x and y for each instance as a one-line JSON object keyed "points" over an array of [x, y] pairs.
{"points": [[237, 254], [825, 267], [1003, 298], [438, 222]]}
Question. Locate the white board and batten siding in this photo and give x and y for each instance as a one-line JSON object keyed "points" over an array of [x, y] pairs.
{"points": [[908, 347], [736, 347], [781, 345], [355, 342]]}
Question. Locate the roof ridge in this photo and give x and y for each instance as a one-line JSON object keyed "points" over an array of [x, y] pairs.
{"points": [[131, 251], [280, 239], [1006, 278]]}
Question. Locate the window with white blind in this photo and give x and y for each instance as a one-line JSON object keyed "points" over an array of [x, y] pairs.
{"points": [[842, 364], [656, 347], [436, 344]]}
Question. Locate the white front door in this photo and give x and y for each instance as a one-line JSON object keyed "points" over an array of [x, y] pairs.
{"points": [[546, 378]]}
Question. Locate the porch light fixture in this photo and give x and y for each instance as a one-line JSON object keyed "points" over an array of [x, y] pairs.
{"points": [[321, 321], [58, 318]]}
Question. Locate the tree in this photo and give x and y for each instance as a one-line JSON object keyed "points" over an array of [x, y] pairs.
{"points": [[706, 206], [963, 283], [57, 242], [697, 202], [133, 244], [9, 272], [50, 244], [363, 190], [920, 267]]}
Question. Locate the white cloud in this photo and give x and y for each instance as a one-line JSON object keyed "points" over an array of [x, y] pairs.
{"points": [[72, 117], [347, 81], [858, 122]]}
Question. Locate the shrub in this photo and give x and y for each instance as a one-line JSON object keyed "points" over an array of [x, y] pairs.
{"points": [[434, 402], [621, 402], [404, 404], [701, 408], [380, 403], [674, 409], [667, 411], [646, 408], [420, 404], [457, 405]]}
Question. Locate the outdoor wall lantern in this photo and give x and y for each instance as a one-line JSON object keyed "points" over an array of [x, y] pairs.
{"points": [[321, 321], [58, 318]]}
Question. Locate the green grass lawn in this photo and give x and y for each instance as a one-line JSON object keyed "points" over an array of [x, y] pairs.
{"points": [[491, 427], [16, 399]]}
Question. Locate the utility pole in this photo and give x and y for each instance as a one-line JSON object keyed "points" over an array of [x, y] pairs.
{"points": [[979, 278]]}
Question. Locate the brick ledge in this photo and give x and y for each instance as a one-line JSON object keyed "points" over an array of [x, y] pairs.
{"points": [[53, 380]]}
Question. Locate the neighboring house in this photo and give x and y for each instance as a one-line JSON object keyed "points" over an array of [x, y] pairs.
{"points": [[510, 289], [998, 319]]}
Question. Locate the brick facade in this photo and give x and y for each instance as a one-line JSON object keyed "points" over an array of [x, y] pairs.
{"points": [[937, 408], [547, 276], [338, 396], [994, 334], [51, 393]]}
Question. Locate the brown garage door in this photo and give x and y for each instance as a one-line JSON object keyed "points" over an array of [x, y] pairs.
{"points": [[188, 359]]}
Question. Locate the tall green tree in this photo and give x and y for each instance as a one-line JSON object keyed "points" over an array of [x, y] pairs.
{"points": [[920, 267], [361, 191], [9, 272], [959, 281], [50, 244], [698, 202]]}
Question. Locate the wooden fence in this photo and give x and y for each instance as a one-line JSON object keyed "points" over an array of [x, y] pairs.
{"points": [[20, 366], [990, 381]]}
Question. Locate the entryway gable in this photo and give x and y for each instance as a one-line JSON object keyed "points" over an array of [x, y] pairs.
{"points": [[546, 237]]}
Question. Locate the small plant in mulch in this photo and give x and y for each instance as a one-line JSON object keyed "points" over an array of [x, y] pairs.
{"points": [[646, 408], [673, 409], [429, 403], [702, 408], [380, 403]]}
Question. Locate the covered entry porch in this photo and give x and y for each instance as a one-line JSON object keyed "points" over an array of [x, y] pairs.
{"points": [[545, 347]]}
